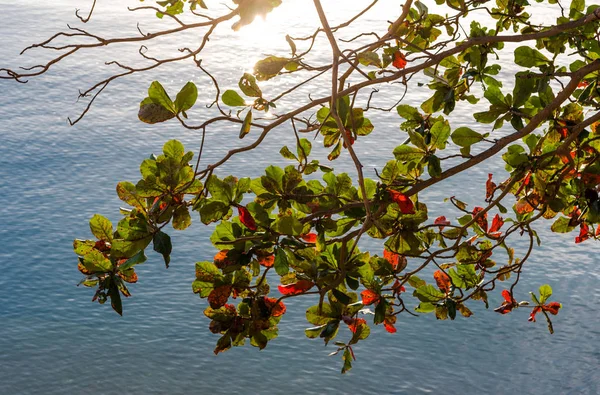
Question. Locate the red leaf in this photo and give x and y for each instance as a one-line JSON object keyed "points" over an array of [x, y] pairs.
{"points": [[490, 187], [277, 309], [442, 280], [482, 220], [406, 205], [583, 84], [442, 221], [309, 237], [246, 218], [535, 310], [296, 288], [497, 223], [388, 323], [509, 303], [397, 261], [504, 309], [102, 246], [508, 296], [397, 288], [350, 138], [584, 233], [219, 296], [399, 60], [525, 183], [369, 297], [552, 307]]}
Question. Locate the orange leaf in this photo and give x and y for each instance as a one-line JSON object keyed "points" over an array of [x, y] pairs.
{"points": [[277, 309], [442, 280], [266, 261], [296, 288], [355, 323], [490, 187], [83, 269], [399, 60], [406, 205], [369, 297], [584, 233], [221, 260], [482, 220], [388, 323], [129, 276], [397, 261], [246, 218], [219, 296], [309, 237]]}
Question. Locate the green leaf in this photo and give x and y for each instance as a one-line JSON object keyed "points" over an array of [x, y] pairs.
{"points": [[115, 300], [152, 113], [127, 193], [213, 211], [83, 247], [248, 86], [495, 96], [281, 263], [409, 113], [157, 93], [181, 218], [137, 259], [529, 57], [347, 358], [186, 97], [286, 153], [303, 149], [440, 131], [434, 167], [288, 225], [523, 89], [425, 307], [406, 153], [380, 310], [96, 262], [369, 58], [162, 245], [269, 67], [232, 99], [562, 225], [428, 293], [314, 332], [323, 317], [465, 137], [173, 149], [246, 125], [101, 227], [545, 293]]}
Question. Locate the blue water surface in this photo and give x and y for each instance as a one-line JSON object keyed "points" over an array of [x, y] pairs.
{"points": [[54, 177]]}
